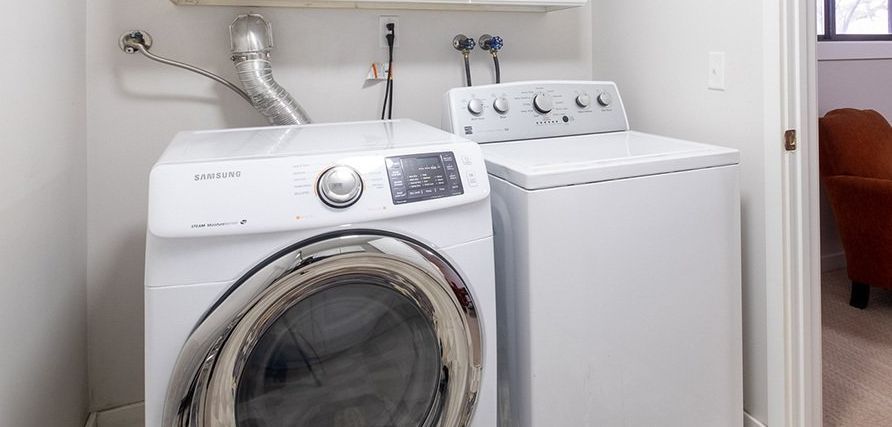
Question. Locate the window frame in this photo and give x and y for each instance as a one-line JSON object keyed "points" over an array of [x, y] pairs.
{"points": [[830, 28]]}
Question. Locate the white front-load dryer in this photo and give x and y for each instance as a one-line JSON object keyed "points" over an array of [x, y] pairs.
{"points": [[617, 261], [322, 275]]}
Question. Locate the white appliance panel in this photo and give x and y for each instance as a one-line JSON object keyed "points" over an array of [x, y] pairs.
{"points": [[182, 261], [571, 160], [626, 295], [525, 118], [173, 311], [314, 139], [265, 194]]}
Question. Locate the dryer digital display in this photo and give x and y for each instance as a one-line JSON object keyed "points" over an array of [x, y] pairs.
{"points": [[419, 177]]}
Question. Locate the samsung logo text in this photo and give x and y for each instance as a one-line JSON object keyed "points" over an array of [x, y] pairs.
{"points": [[217, 175]]}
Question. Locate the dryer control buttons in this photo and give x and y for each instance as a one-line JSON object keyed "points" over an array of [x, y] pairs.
{"points": [[543, 103], [605, 99], [583, 101], [501, 105], [340, 186], [475, 106], [420, 177]]}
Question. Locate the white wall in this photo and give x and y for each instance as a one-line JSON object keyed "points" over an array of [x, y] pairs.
{"points": [[657, 52], [855, 84], [858, 83], [135, 106], [42, 209]]}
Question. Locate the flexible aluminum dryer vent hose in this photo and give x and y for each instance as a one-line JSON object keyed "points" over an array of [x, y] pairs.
{"points": [[251, 38]]}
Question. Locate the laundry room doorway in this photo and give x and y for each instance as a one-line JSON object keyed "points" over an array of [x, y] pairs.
{"points": [[846, 104]]}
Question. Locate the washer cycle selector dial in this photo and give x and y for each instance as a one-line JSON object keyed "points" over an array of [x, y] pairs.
{"points": [[583, 101], [605, 99], [339, 186], [475, 106], [501, 105], [543, 103]]}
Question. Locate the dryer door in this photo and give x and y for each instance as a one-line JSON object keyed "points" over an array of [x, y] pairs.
{"points": [[357, 330]]}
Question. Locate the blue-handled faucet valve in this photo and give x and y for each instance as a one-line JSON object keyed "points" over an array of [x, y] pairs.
{"points": [[463, 44], [491, 43]]}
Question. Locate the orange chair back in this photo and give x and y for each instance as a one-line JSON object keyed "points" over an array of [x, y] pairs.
{"points": [[857, 143]]}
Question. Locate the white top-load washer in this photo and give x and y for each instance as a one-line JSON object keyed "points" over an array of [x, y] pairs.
{"points": [[321, 275], [617, 261]]}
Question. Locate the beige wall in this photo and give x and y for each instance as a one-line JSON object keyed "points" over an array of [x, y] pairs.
{"points": [[657, 52], [42, 209], [135, 106], [863, 83]]}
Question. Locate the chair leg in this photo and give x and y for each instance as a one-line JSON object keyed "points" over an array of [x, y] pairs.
{"points": [[860, 295]]}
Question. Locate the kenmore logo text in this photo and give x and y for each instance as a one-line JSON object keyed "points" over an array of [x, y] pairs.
{"points": [[217, 175]]}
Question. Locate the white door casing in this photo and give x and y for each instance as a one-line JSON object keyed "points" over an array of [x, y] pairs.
{"points": [[801, 244]]}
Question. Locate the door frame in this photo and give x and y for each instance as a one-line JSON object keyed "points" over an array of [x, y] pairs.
{"points": [[801, 218]]}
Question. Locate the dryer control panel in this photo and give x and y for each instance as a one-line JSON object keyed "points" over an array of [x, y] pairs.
{"points": [[426, 176], [537, 109], [267, 191]]}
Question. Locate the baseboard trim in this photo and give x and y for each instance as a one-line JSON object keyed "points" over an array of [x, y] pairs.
{"points": [[750, 421], [129, 415], [831, 262]]}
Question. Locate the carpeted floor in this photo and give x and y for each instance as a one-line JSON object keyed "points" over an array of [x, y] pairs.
{"points": [[857, 356]]}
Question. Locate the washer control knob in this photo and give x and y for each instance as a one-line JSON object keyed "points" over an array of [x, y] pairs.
{"points": [[501, 105], [605, 99], [475, 106], [543, 103], [339, 186], [583, 101]]}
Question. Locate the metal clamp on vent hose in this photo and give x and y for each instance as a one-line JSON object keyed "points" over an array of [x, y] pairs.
{"points": [[251, 41]]}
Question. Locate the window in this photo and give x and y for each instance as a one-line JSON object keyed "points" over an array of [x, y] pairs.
{"points": [[844, 20]]}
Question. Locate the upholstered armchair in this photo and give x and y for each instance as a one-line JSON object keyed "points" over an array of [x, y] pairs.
{"points": [[856, 169]]}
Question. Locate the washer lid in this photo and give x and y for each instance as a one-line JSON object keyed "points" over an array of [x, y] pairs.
{"points": [[556, 162]]}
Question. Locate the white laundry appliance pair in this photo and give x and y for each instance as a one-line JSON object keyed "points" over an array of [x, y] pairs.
{"points": [[321, 275], [342, 275], [617, 261]]}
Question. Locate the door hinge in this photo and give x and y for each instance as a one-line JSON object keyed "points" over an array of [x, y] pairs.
{"points": [[790, 140]]}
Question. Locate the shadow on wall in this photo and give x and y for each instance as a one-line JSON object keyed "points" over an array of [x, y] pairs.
{"points": [[118, 295], [751, 295], [43, 353], [233, 109]]}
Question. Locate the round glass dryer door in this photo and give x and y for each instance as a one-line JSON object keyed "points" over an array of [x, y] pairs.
{"points": [[359, 330], [353, 354]]}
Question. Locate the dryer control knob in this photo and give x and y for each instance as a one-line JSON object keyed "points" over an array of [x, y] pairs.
{"points": [[475, 106], [605, 99], [339, 186], [501, 105], [583, 101], [543, 103]]}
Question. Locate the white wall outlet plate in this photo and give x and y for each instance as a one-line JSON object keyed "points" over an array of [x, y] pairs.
{"points": [[383, 20], [716, 79]]}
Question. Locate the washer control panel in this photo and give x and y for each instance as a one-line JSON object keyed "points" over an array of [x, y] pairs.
{"points": [[420, 177], [536, 109]]}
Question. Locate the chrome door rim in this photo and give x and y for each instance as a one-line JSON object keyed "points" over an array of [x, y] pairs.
{"points": [[204, 384]]}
